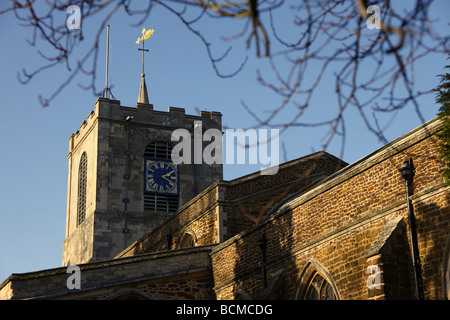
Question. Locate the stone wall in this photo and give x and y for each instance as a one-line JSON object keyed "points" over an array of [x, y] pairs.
{"points": [[350, 230], [199, 216], [228, 207], [180, 274], [332, 227], [103, 136], [79, 238], [250, 198]]}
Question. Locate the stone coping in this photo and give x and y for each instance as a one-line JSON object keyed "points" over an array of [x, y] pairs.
{"points": [[227, 183], [107, 263], [398, 145]]}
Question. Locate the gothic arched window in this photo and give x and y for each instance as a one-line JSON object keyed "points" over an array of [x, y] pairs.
{"points": [[319, 289], [316, 283], [82, 185], [187, 240]]}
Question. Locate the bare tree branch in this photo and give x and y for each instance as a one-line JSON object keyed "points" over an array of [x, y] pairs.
{"points": [[327, 46]]}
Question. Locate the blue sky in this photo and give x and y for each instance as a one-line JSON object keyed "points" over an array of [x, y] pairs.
{"points": [[34, 140]]}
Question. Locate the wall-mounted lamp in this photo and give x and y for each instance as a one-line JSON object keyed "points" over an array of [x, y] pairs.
{"points": [[408, 171]]}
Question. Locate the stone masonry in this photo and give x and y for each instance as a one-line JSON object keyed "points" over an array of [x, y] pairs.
{"points": [[103, 136], [354, 219], [331, 231], [229, 207], [183, 275]]}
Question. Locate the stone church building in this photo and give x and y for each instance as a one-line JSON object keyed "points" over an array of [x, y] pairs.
{"points": [[139, 226]]}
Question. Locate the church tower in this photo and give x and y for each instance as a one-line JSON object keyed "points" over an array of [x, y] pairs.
{"points": [[122, 181]]}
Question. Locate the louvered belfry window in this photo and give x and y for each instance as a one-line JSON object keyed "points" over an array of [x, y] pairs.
{"points": [[158, 150], [154, 202], [82, 185], [161, 202]]}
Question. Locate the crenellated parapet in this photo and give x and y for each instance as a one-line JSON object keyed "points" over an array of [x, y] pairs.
{"points": [[144, 115]]}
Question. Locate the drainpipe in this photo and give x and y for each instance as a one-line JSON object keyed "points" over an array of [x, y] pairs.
{"points": [[262, 242], [407, 171]]}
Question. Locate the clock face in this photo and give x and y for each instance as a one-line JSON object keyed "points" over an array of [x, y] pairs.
{"points": [[161, 176]]}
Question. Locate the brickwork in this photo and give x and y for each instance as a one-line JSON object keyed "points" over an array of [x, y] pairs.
{"points": [[433, 229], [199, 215], [255, 195], [337, 222], [229, 207], [349, 229], [390, 256]]}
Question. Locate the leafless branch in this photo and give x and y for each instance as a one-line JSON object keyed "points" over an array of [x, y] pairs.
{"points": [[328, 46]]}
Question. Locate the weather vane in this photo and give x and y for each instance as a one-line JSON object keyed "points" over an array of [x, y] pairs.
{"points": [[145, 35]]}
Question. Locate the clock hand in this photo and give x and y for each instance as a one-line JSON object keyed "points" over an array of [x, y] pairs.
{"points": [[165, 178], [167, 174]]}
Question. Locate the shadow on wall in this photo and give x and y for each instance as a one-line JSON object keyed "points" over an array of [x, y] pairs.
{"points": [[434, 246]]}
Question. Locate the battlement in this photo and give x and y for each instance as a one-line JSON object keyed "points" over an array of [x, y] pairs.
{"points": [[146, 114], [143, 115]]}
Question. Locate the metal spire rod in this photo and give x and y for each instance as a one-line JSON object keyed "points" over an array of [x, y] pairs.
{"points": [[107, 62]]}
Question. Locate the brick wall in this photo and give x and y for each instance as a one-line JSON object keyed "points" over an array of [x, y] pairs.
{"points": [[250, 198], [336, 223], [198, 215], [229, 207]]}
